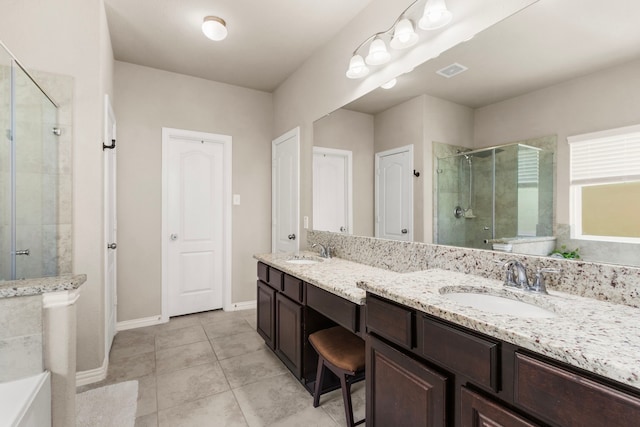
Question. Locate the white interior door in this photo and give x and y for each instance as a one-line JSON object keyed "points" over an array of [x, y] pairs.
{"points": [[110, 225], [394, 194], [332, 190], [197, 219], [285, 193]]}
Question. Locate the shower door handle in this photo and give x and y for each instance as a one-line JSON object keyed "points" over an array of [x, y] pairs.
{"points": [[23, 252]]}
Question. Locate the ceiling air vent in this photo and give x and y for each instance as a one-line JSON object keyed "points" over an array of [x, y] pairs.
{"points": [[452, 70]]}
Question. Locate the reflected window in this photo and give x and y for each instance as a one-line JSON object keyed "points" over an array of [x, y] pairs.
{"points": [[605, 185]]}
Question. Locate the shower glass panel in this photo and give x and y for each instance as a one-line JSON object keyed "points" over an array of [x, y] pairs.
{"points": [[28, 182], [501, 192]]}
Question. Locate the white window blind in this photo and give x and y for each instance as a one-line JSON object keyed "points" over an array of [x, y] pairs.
{"points": [[528, 161], [609, 156]]}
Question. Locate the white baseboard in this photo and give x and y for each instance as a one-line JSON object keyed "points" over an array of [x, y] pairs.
{"points": [[138, 323], [92, 375], [243, 305]]}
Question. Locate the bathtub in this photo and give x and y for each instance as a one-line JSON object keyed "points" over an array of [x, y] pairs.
{"points": [[26, 402]]}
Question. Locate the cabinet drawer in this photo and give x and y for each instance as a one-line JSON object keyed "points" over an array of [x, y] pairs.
{"points": [[341, 311], [477, 411], [390, 321], [263, 272], [275, 278], [292, 287], [564, 398], [471, 356]]}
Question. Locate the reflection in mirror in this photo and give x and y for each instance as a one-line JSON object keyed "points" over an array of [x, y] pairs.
{"points": [[496, 198], [535, 74]]}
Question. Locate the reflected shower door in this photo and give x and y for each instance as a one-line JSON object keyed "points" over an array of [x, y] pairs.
{"points": [[35, 175], [5, 166]]}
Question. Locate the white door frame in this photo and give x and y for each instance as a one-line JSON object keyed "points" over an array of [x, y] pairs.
{"points": [[348, 155], [406, 148], [109, 180], [167, 135], [293, 133]]}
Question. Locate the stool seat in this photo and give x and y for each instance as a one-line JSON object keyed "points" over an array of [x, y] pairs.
{"points": [[339, 347], [343, 353]]}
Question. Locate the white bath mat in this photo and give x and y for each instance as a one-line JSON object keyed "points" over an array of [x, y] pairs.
{"points": [[109, 406]]}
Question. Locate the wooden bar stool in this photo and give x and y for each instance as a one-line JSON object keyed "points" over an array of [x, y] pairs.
{"points": [[342, 352]]}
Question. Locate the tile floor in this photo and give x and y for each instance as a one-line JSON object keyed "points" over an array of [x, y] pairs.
{"points": [[213, 369]]}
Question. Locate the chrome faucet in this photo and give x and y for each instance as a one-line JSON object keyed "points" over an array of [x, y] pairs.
{"points": [[325, 251], [516, 274]]}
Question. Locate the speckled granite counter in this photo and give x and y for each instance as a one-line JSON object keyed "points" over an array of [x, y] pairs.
{"points": [[600, 337], [335, 275], [597, 336], [41, 285]]}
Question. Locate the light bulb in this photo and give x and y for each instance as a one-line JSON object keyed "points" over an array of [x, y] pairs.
{"points": [[436, 15], [388, 85], [404, 35], [378, 53], [357, 67]]}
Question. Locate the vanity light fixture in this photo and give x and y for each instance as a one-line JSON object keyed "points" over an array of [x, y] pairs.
{"points": [[357, 67], [378, 53], [404, 35], [388, 85], [436, 15], [214, 28], [401, 35]]}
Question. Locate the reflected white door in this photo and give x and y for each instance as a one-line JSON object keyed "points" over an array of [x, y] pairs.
{"points": [[332, 190], [285, 184], [196, 223], [394, 194], [110, 225]]}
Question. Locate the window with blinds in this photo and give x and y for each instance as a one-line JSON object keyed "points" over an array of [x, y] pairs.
{"points": [[605, 185]]}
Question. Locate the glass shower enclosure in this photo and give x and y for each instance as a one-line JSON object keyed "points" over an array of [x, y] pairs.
{"points": [[494, 193], [28, 175]]}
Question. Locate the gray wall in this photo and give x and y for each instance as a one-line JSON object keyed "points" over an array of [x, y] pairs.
{"points": [[147, 100]]}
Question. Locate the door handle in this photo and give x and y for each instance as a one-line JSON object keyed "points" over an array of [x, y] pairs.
{"points": [[343, 229], [23, 252], [404, 231], [292, 237], [111, 245], [174, 237]]}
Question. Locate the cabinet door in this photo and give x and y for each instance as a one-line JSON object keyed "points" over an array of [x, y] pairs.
{"points": [[401, 391], [477, 411], [266, 314], [289, 333]]}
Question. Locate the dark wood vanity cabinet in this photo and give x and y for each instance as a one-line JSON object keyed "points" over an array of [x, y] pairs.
{"points": [[424, 371], [266, 304], [280, 315], [402, 391], [289, 333], [289, 310]]}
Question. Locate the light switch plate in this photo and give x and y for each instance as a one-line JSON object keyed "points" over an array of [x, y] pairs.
{"points": [[236, 199], [305, 220]]}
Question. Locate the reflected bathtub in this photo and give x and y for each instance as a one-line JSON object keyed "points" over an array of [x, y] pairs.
{"points": [[26, 402]]}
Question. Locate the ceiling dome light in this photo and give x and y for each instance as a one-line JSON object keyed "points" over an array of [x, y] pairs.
{"points": [[378, 53], [214, 28], [388, 85], [404, 35], [357, 67], [436, 15]]}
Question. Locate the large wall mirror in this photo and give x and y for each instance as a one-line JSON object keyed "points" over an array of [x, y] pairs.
{"points": [[551, 71]]}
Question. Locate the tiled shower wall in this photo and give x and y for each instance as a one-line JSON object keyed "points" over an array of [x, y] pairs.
{"points": [[43, 176]]}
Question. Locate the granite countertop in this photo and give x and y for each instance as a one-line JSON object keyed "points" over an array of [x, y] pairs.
{"points": [[335, 275], [41, 285], [597, 336]]}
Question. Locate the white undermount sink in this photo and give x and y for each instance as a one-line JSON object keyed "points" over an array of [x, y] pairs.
{"points": [[304, 260], [499, 305]]}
